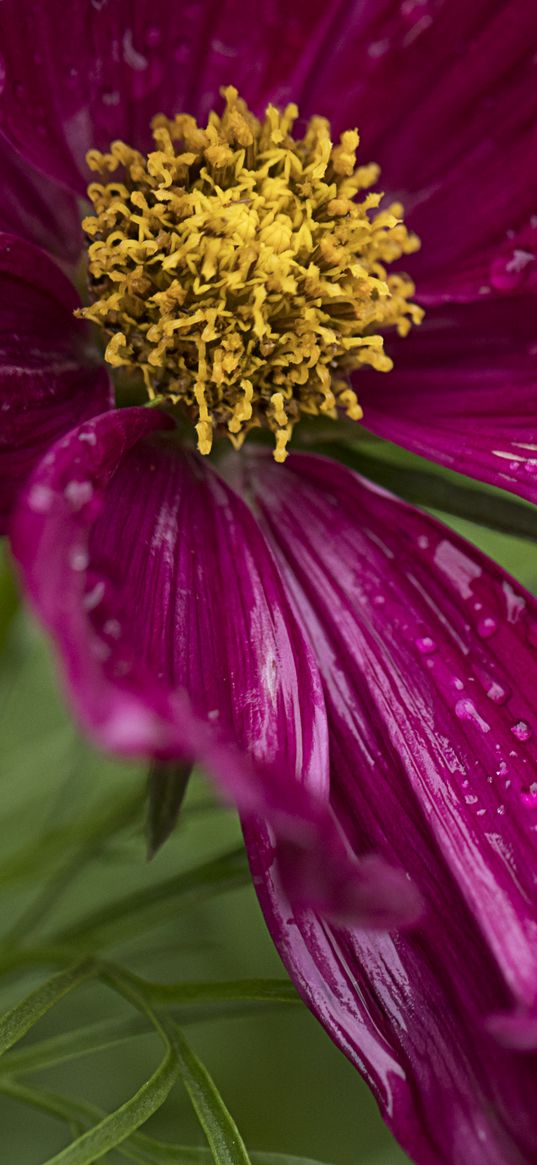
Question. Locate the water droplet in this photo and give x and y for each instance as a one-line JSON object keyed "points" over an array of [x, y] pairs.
{"points": [[131, 56], [521, 730], [515, 604], [470, 799], [487, 627], [466, 710], [501, 810], [78, 558], [502, 769], [378, 48], [425, 645], [508, 272], [40, 498], [497, 693], [93, 597], [423, 542], [528, 795], [78, 493], [112, 627]]}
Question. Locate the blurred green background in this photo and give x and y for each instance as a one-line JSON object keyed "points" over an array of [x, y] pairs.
{"points": [[72, 830]]}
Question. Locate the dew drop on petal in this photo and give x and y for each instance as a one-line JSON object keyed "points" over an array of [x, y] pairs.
{"points": [[515, 604], [466, 710], [78, 493], [40, 498], [112, 627], [93, 597], [528, 796], [78, 558], [497, 692], [487, 627], [425, 645], [521, 730]]}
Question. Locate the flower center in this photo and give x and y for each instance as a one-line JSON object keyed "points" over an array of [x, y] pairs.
{"points": [[241, 270]]}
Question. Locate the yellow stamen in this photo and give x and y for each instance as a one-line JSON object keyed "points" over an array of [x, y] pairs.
{"points": [[240, 270]]}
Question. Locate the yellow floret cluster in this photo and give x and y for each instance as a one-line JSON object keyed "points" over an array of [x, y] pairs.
{"points": [[243, 271]]}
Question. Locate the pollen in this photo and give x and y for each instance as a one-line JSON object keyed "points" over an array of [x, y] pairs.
{"points": [[242, 270]]}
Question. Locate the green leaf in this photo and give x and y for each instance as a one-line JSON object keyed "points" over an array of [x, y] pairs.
{"points": [[82, 837], [77, 1114], [166, 788], [232, 990], [139, 1147], [71, 1045], [130, 914], [223, 1137], [15, 1023], [119, 1125]]}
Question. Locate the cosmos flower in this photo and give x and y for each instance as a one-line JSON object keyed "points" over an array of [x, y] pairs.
{"points": [[356, 677]]}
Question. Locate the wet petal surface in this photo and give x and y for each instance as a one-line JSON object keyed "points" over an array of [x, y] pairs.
{"points": [[177, 640], [428, 657]]}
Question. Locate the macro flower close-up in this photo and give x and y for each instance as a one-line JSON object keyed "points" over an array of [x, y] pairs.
{"points": [[247, 257]]}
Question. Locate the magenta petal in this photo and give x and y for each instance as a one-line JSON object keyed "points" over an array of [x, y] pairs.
{"points": [[428, 653], [117, 64], [463, 392], [38, 210], [47, 384], [176, 639]]}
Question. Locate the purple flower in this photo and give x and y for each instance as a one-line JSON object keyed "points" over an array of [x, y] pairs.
{"points": [[355, 676]]}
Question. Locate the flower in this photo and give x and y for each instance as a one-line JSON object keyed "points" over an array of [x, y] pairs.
{"points": [[356, 676]]}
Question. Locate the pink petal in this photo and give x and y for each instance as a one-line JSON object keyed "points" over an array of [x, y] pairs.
{"points": [[47, 383], [429, 660], [463, 392], [116, 65], [176, 639], [37, 209], [445, 98]]}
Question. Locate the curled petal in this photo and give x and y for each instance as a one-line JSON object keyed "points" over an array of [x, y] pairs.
{"points": [[177, 640], [429, 660], [48, 382]]}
